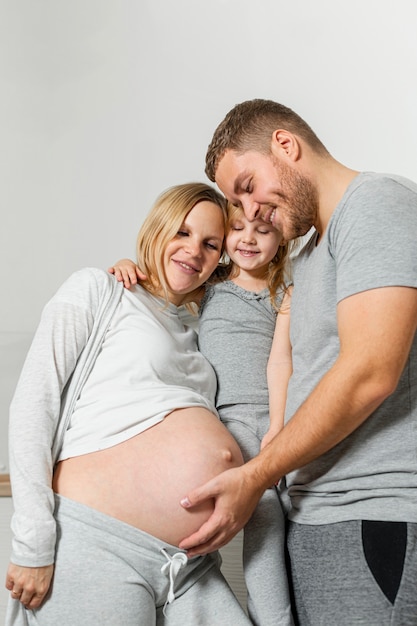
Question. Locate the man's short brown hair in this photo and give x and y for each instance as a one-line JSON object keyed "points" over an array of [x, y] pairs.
{"points": [[249, 126]]}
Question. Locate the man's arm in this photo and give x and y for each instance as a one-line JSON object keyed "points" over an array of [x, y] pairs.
{"points": [[376, 331]]}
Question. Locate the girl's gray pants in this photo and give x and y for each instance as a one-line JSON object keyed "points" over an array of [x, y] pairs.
{"points": [[264, 563]]}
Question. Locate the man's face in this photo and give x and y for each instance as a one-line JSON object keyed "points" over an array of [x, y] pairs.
{"points": [[269, 189]]}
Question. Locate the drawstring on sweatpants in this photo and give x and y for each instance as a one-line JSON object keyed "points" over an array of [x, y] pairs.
{"points": [[171, 568]]}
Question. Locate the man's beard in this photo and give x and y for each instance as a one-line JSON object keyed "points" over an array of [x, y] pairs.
{"points": [[300, 208]]}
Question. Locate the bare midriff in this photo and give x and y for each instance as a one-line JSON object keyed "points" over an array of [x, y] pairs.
{"points": [[142, 480]]}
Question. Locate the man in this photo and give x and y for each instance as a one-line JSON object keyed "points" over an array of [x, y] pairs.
{"points": [[348, 449]]}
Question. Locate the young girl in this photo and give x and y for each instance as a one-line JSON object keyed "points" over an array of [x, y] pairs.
{"points": [[113, 417], [247, 344]]}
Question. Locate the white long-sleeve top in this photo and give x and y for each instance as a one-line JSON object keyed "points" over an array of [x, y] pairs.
{"points": [[147, 366]]}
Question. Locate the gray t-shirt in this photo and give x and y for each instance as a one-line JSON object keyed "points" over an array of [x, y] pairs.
{"points": [[236, 331], [370, 242]]}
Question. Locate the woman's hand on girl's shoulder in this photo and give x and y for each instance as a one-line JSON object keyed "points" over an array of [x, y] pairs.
{"points": [[127, 272]]}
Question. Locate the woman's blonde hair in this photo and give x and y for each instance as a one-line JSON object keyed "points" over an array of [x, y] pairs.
{"points": [[278, 272], [162, 224]]}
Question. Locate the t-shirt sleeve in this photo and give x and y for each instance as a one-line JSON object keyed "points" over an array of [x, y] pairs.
{"points": [[372, 238]]}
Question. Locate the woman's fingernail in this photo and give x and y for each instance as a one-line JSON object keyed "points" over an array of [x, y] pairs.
{"points": [[185, 502]]}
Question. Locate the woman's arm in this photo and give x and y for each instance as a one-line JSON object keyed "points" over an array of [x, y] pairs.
{"points": [[29, 585], [63, 331]]}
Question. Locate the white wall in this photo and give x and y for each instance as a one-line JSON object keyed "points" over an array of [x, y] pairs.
{"points": [[104, 104]]}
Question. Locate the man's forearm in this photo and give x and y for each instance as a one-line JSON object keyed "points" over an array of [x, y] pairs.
{"points": [[322, 421]]}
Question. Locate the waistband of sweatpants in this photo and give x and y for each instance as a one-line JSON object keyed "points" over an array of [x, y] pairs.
{"points": [[67, 508]]}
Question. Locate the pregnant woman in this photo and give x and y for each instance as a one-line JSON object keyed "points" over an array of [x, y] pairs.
{"points": [[113, 420]]}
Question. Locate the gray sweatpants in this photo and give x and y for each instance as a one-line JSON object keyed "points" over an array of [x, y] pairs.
{"points": [[264, 535], [108, 573]]}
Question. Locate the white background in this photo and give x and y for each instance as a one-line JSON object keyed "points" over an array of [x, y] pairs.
{"points": [[106, 103]]}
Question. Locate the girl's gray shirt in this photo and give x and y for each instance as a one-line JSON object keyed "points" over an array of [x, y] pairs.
{"points": [[236, 329]]}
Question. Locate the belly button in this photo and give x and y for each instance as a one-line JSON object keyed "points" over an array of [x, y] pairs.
{"points": [[227, 455]]}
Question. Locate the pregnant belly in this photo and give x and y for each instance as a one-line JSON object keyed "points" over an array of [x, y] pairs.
{"points": [[142, 480]]}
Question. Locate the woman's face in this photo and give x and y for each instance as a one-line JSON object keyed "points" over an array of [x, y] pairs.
{"points": [[192, 256]]}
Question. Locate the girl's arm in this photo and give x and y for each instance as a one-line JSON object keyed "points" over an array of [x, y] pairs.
{"points": [[279, 370], [127, 272]]}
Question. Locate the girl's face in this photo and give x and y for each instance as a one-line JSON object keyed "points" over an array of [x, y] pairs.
{"points": [[192, 256], [251, 245]]}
